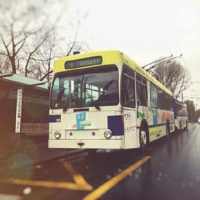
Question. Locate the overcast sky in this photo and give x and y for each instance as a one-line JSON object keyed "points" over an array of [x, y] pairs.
{"points": [[144, 30]]}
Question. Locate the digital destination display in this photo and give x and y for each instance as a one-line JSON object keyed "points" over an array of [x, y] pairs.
{"points": [[83, 62]]}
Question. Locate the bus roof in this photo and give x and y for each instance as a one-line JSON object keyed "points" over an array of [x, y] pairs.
{"points": [[108, 57]]}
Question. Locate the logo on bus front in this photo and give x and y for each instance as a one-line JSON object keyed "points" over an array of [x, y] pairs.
{"points": [[81, 122]]}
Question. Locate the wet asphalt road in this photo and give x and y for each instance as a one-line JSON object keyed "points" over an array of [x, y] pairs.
{"points": [[173, 172]]}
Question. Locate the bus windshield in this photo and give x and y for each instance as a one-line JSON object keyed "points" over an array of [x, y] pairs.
{"points": [[86, 88]]}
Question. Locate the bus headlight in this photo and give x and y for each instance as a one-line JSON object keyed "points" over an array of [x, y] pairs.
{"points": [[57, 135], [108, 134]]}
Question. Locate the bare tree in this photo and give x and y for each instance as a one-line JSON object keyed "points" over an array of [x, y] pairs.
{"points": [[79, 46], [20, 37], [30, 38], [24, 30], [4, 65], [49, 52], [174, 76], [42, 60], [17, 52]]}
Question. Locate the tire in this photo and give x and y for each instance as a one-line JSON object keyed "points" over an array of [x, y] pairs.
{"points": [[144, 134]]}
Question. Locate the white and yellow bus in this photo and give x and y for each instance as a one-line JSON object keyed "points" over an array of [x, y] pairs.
{"points": [[104, 100], [180, 115]]}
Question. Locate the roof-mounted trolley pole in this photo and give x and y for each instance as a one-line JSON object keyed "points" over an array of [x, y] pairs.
{"points": [[159, 61]]}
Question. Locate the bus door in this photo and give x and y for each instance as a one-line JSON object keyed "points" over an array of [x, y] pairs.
{"points": [[129, 106], [141, 103], [130, 127]]}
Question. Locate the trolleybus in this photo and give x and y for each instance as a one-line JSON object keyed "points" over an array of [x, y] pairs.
{"points": [[104, 100], [180, 115]]}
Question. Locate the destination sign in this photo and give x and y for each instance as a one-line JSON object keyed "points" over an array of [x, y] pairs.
{"points": [[83, 62]]}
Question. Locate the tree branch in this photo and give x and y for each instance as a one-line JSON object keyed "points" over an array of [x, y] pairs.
{"points": [[33, 51]]}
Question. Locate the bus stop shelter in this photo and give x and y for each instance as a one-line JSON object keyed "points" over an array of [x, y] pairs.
{"points": [[24, 109], [23, 105]]}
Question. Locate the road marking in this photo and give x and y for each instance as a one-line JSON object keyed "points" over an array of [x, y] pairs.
{"points": [[78, 178], [108, 185], [79, 182], [46, 184]]}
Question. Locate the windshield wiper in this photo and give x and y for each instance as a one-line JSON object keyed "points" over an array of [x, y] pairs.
{"points": [[108, 85], [96, 105]]}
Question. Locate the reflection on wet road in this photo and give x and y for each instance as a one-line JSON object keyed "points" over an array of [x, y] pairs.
{"points": [[172, 173], [167, 169]]}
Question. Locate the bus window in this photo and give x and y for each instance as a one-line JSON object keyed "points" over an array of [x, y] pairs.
{"points": [[161, 99], [56, 90], [141, 86], [128, 91], [86, 88], [153, 96], [168, 102]]}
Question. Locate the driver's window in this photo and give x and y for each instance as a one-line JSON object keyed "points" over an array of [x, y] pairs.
{"points": [[56, 85], [55, 89], [128, 88]]}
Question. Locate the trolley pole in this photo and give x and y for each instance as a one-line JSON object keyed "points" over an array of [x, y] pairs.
{"points": [[167, 59]]}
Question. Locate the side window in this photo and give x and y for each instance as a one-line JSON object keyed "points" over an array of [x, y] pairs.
{"points": [[55, 91], [128, 89], [168, 102], [141, 90], [164, 101], [153, 96], [161, 99]]}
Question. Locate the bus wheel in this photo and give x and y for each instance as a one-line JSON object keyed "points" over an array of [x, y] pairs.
{"points": [[144, 134]]}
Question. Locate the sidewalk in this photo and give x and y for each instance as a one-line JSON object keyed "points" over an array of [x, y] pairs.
{"points": [[29, 151]]}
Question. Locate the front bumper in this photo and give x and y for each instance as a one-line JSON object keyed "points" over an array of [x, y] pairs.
{"points": [[87, 144]]}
